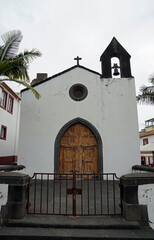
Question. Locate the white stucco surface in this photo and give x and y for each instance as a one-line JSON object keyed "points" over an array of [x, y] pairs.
{"points": [[110, 107], [146, 197]]}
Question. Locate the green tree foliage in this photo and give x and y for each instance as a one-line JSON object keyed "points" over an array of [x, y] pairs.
{"points": [[14, 66]]}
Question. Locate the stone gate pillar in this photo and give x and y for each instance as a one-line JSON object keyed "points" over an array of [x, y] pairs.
{"points": [[132, 209], [14, 188]]}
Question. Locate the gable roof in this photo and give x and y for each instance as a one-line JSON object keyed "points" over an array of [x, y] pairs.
{"points": [[63, 72], [115, 49]]}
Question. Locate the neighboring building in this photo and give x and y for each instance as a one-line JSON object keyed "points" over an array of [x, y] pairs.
{"points": [[9, 124], [147, 143], [84, 120]]}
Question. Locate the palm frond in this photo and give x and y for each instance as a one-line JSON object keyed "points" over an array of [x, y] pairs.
{"points": [[146, 95], [11, 40], [14, 66], [29, 56], [152, 80], [37, 95], [1, 49], [14, 69]]}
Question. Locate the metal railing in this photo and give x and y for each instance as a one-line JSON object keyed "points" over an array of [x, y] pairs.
{"points": [[74, 194]]}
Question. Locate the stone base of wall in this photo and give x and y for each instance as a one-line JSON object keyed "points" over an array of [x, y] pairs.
{"points": [[135, 212]]}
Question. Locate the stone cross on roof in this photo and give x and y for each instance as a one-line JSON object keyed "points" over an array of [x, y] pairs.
{"points": [[77, 59]]}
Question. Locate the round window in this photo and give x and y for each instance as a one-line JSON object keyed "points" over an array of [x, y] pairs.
{"points": [[78, 92]]}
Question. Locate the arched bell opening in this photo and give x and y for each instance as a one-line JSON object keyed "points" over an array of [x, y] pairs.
{"points": [[115, 67]]}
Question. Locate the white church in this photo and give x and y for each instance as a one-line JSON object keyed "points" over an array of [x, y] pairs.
{"points": [[84, 120]]}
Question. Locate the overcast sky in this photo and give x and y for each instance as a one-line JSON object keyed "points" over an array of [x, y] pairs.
{"points": [[63, 29]]}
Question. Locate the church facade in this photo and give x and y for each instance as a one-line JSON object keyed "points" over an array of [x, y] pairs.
{"points": [[84, 120]]}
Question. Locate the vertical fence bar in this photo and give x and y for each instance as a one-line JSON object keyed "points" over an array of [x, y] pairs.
{"points": [[107, 181], [35, 181], [101, 192], [66, 191], [29, 185], [81, 195], [74, 195], [94, 195], [121, 206], [47, 193], [53, 200], [88, 193], [71, 185], [41, 194], [114, 194], [60, 195]]}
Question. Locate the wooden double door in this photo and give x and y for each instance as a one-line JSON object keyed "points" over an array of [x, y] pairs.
{"points": [[78, 150]]}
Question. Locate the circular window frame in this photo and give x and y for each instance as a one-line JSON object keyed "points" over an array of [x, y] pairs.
{"points": [[76, 87]]}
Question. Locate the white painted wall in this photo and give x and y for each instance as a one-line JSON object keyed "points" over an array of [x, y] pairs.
{"points": [[146, 197], [110, 106], [120, 125], [9, 147]]}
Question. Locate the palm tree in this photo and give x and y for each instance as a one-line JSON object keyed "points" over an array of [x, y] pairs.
{"points": [[13, 66], [146, 94]]}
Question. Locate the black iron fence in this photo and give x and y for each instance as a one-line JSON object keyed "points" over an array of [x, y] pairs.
{"points": [[74, 194]]}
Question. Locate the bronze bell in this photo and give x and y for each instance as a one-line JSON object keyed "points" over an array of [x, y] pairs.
{"points": [[115, 67]]}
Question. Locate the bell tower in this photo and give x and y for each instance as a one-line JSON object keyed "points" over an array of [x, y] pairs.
{"points": [[115, 50]]}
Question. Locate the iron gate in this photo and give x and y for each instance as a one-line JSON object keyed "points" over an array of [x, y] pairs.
{"points": [[74, 194]]}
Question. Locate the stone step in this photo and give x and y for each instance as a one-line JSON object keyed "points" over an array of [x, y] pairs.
{"points": [[42, 227], [92, 222], [20, 233]]}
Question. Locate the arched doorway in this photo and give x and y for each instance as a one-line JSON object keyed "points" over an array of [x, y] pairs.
{"points": [[78, 150], [72, 137]]}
